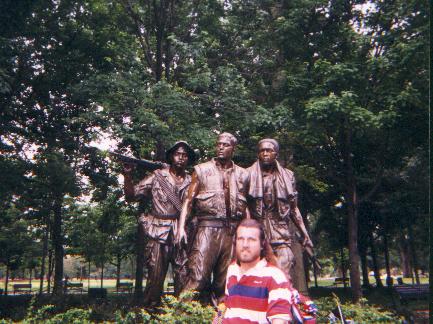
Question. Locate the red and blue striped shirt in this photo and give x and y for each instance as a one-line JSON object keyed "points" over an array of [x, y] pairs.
{"points": [[261, 294]]}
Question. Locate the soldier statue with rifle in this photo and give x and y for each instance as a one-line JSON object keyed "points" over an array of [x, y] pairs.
{"points": [[272, 199], [166, 187]]}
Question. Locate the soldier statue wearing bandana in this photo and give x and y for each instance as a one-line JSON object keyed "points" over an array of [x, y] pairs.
{"points": [[166, 188], [272, 199]]}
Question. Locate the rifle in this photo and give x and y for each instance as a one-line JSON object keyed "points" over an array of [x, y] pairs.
{"points": [[308, 249], [145, 164], [310, 252]]}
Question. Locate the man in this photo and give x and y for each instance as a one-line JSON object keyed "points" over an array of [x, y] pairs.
{"points": [[217, 191], [256, 291], [272, 199], [166, 188]]}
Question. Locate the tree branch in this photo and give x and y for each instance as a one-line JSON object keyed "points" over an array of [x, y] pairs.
{"points": [[143, 37]]}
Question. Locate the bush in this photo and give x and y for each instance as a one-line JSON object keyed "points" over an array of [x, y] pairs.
{"points": [[360, 313], [46, 314], [173, 310], [182, 310]]}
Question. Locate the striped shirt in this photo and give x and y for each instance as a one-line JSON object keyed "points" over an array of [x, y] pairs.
{"points": [[261, 294]]}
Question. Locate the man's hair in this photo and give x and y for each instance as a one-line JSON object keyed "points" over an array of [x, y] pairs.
{"points": [[231, 137], [266, 249], [272, 141]]}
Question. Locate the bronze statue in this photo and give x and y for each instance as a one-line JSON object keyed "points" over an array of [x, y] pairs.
{"points": [[166, 188], [218, 193], [272, 199]]}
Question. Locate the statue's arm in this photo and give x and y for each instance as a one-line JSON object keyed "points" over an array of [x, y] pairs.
{"points": [[299, 222], [296, 216], [246, 186], [128, 185], [131, 191], [186, 208]]}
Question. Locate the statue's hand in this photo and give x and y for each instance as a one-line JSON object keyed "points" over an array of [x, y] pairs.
{"points": [[180, 236], [307, 242], [128, 168]]}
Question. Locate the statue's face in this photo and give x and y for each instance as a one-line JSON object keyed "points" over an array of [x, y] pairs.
{"points": [[180, 157], [267, 154], [224, 148]]}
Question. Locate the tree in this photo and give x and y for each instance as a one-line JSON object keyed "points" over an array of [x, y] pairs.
{"points": [[52, 50], [102, 232], [15, 240]]}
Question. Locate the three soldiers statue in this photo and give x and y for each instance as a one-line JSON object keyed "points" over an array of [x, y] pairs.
{"points": [[217, 196]]}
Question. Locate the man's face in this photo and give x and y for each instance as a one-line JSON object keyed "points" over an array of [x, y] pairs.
{"points": [[267, 154], [248, 245], [180, 158], [224, 148]]}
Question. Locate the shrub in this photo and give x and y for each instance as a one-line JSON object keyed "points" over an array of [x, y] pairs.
{"points": [[360, 313], [173, 310], [182, 310], [46, 314]]}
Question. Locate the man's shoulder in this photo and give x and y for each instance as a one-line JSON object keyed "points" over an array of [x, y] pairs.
{"points": [[205, 165], [290, 172], [274, 272], [285, 169], [163, 172], [233, 270], [148, 179], [253, 166], [240, 170]]}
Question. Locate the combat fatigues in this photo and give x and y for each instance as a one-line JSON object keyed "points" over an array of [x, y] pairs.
{"points": [[219, 206], [159, 227], [269, 200]]}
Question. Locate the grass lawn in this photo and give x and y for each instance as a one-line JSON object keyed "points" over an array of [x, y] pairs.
{"points": [[329, 282], [110, 284]]}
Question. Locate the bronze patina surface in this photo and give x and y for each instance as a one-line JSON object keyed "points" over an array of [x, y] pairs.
{"points": [[166, 189], [217, 196], [272, 199]]}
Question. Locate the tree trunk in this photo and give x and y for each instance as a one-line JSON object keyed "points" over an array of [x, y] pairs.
{"points": [[6, 280], [413, 253], [88, 278], [355, 280], [306, 268], [386, 252], [364, 266], [404, 257], [30, 276], [118, 264], [102, 275], [159, 35], [343, 268], [44, 256], [375, 265], [58, 248], [352, 206], [305, 259], [315, 275], [50, 270], [139, 265]]}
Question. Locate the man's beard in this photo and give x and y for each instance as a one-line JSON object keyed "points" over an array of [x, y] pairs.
{"points": [[267, 163], [247, 257]]}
